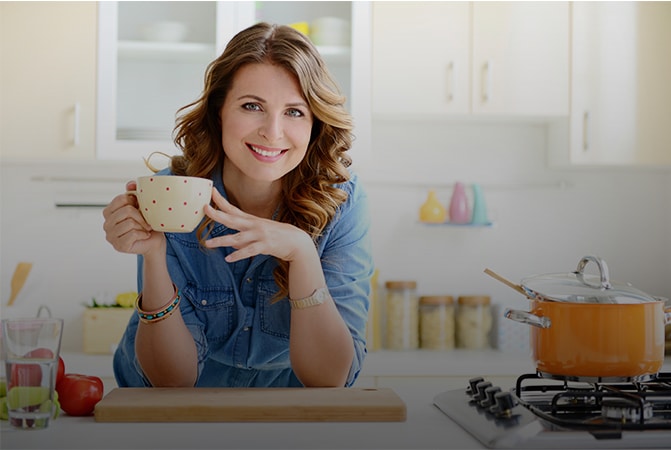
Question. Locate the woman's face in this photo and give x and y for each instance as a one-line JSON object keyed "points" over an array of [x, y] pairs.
{"points": [[265, 122]]}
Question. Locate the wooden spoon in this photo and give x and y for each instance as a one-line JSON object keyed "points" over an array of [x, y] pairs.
{"points": [[18, 280], [517, 287]]}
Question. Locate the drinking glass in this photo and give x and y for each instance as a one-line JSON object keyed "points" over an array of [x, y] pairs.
{"points": [[31, 349]]}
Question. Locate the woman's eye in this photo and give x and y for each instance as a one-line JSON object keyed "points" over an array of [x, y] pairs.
{"points": [[295, 112], [251, 107]]}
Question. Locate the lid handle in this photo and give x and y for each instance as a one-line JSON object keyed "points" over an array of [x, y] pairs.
{"points": [[603, 270]]}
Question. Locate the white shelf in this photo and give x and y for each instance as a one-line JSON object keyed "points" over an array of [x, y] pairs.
{"points": [[166, 51], [202, 52], [459, 225], [335, 54]]}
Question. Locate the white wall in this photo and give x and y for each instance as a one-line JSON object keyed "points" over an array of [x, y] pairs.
{"points": [[545, 219], [623, 215], [72, 262]]}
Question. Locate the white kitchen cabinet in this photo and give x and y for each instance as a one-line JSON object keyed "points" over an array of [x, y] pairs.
{"points": [[47, 74], [144, 79], [621, 96], [470, 58]]}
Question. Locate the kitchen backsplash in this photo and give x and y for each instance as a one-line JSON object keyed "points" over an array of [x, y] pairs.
{"points": [[545, 220]]}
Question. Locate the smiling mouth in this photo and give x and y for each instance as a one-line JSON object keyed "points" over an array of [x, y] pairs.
{"points": [[266, 153]]}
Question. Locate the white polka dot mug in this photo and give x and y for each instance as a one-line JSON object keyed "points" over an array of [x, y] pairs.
{"points": [[173, 203]]}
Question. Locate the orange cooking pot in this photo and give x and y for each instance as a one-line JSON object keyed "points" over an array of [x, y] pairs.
{"points": [[587, 327]]}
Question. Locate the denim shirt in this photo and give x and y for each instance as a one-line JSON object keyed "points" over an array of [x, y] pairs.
{"points": [[242, 338]]}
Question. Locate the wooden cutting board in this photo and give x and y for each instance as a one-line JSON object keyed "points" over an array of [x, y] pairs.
{"points": [[250, 405]]}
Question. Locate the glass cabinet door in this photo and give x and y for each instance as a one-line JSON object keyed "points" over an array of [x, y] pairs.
{"points": [[328, 24], [153, 55]]}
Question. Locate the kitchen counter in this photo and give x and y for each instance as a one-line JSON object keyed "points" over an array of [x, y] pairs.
{"points": [[417, 377], [425, 427], [382, 368]]}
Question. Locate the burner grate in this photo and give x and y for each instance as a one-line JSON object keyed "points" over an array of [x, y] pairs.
{"points": [[542, 413], [625, 405]]}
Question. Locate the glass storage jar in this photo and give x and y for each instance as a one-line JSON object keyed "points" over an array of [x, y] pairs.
{"points": [[402, 315], [473, 321], [436, 322]]}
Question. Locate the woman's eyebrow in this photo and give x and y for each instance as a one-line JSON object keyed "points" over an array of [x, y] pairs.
{"points": [[262, 100], [254, 97]]}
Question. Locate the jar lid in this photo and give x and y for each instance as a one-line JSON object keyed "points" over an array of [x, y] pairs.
{"points": [[436, 300], [401, 284], [474, 300]]}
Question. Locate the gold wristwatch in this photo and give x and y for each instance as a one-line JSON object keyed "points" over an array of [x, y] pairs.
{"points": [[314, 299]]}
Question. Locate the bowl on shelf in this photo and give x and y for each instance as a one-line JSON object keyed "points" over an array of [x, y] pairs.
{"points": [[330, 31], [165, 31]]}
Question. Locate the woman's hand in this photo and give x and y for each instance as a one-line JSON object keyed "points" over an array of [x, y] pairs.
{"points": [[126, 229], [255, 236]]}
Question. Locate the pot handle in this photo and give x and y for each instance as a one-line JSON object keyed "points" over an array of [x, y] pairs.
{"points": [[527, 318], [603, 270]]}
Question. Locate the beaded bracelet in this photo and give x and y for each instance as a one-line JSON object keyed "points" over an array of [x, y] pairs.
{"points": [[161, 313]]}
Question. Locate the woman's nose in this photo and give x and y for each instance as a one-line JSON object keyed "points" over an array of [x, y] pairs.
{"points": [[271, 128]]}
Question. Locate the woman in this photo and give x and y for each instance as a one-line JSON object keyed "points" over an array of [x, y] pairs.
{"points": [[273, 285]]}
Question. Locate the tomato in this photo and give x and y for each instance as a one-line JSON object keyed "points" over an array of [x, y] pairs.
{"points": [[78, 394], [61, 370], [29, 374]]}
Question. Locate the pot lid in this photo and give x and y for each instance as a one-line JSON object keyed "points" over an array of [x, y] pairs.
{"points": [[579, 287]]}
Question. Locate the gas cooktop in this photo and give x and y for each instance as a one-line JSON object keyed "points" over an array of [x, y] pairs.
{"points": [[544, 411]]}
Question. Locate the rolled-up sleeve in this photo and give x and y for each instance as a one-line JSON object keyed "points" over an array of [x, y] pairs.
{"points": [[346, 253]]}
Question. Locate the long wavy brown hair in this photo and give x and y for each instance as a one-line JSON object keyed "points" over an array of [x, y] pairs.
{"points": [[309, 197]]}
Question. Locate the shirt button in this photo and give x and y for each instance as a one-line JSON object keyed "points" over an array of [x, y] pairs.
{"points": [[203, 302], [246, 329], [239, 365], [248, 280]]}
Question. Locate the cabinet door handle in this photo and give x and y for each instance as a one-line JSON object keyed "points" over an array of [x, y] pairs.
{"points": [[75, 127], [486, 80], [585, 131], [451, 75]]}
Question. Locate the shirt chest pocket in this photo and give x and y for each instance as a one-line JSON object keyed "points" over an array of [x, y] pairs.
{"points": [[215, 307]]}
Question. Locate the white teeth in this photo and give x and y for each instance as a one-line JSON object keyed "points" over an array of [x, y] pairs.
{"points": [[264, 152]]}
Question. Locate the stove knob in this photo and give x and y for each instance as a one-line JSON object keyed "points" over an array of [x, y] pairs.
{"points": [[503, 404], [489, 396], [472, 383], [480, 388]]}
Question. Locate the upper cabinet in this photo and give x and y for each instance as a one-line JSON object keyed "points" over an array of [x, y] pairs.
{"points": [[151, 60], [48, 75], [153, 56], [480, 58], [621, 94]]}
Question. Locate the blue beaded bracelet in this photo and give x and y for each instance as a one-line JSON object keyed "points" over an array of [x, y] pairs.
{"points": [[159, 314]]}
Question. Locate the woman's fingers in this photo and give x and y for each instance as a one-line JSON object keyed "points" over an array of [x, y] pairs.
{"points": [[228, 214], [224, 205], [255, 235], [124, 226], [121, 209]]}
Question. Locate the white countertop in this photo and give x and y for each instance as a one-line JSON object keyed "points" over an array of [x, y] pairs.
{"points": [[456, 363], [425, 428]]}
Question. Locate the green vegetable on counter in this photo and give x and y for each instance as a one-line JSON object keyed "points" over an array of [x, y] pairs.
{"points": [[4, 411], [25, 396]]}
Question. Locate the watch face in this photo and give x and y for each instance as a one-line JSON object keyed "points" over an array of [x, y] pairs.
{"points": [[322, 294], [317, 298]]}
